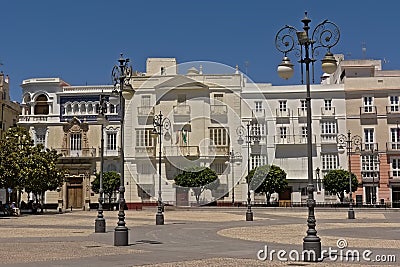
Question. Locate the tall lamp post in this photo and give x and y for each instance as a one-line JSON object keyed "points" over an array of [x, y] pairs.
{"points": [[288, 39], [120, 75], [100, 222], [160, 124], [251, 136], [233, 157], [351, 143]]}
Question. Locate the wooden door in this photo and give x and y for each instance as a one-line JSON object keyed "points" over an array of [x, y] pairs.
{"points": [[75, 198]]}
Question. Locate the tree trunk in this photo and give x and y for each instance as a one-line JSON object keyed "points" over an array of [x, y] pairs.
{"points": [[341, 197], [19, 198]]}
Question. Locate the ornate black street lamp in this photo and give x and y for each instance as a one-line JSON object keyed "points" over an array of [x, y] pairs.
{"points": [[251, 136], [288, 39], [233, 157], [160, 124], [351, 143], [120, 75], [100, 222]]}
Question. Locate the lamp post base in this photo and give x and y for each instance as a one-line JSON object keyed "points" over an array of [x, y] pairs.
{"points": [[351, 214], [312, 249], [159, 219], [100, 225], [121, 236], [249, 216]]}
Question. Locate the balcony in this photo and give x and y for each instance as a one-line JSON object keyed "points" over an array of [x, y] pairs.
{"points": [[259, 114], [282, 113], [328, 112], [370, 177], [393, 110], [218, 110], [38, 118], [302, 112], [145, 151], [145, 111], [181, 151], [219, 113], [368, 148], [368, 112], [218, 150], [181, 113], [69, 153], [393, 147], [330, 138], [110, 152], [292, 140]]}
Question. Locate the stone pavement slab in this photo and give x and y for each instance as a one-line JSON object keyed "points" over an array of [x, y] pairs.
{"points": [[190, 237]]}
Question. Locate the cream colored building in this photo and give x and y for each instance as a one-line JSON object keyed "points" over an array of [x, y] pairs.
{"points": [[205, 109], [64, 118], [9, 112]]}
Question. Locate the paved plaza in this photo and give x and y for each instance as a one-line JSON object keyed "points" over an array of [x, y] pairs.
{"points": [[196, 237]]}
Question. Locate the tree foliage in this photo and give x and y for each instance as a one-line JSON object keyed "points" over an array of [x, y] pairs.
{"points": [[111, 183], [337, 182], [198, 179], [26, 166], [267, 179]]}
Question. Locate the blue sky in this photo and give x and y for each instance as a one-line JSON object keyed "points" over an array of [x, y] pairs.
{"points": [[80, 41]]}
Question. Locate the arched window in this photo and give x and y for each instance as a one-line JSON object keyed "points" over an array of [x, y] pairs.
{"points": [[83, 108], [76, 108], [41, 106], [90, 108], [68, 109]]}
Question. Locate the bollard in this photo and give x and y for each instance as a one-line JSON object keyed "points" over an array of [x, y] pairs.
{"points": [[71, 208]]}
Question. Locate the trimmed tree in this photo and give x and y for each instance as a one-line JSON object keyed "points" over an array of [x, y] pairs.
{"points": [[337, 182], [111, 183], [267, 179], [44, 175], [198, 179]]}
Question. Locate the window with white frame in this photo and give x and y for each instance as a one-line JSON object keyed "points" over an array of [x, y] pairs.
{"points": [[76, 141], [368, 104], [218, 167], [219, 136], [258, 106], [369, 166], [282, 105], [303, 105], [145, 101], [395, 167], [144, 138], [329, 161], [257, 160], [395, 138], [303, 131], [258, 129], [283, 132], [111, 141], [369, 138], [394, 103], [328, 127], [328, 104]]}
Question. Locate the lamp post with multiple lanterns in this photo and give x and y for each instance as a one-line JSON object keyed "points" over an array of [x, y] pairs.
{"points": [[100, 222], [122, 90], [288, 39], [251, 136], [351, 142], [160, 124]]}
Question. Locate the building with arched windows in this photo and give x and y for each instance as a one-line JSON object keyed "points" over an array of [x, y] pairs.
{"points": [[64, 118]]}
